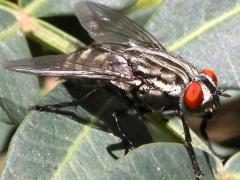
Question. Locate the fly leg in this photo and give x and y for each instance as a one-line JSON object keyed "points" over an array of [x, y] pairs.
{"points": [[188, 145], [53, 106], [74, 103], [167, 113], [126, 141], [133, 110], [203, 130], [187, 142]]}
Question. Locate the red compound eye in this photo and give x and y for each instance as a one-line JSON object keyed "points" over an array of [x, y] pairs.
{"points": [[193, 96], [210, 74]]}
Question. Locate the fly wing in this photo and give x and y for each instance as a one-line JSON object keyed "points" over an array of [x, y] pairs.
{"points": [[89, 62], [106, 25]]}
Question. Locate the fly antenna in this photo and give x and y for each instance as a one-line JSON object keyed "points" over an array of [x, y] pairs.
{"points": [[223, 94]]}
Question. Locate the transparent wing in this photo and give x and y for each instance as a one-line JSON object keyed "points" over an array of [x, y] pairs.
{"points": [[106, 25], [89, 62]]}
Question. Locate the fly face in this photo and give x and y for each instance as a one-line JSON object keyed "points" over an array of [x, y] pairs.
{"points": [[201, 96]]}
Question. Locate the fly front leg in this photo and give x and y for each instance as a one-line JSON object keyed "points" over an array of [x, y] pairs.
{"points": [[203, 130], [188, 145], [168, 113]]}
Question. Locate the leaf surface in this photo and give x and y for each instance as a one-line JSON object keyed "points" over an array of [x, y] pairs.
{"points": [[232, 166], [58, 147], [159, 161], [17, 91], [45, 8], [204, 33]]}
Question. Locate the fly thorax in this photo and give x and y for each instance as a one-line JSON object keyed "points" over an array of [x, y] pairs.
{"points": [[156, 99], [159, 86], [127, 86], [156, 94]]}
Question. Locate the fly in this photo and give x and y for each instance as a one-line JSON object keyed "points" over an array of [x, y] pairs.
{"points": [[130, 58]]}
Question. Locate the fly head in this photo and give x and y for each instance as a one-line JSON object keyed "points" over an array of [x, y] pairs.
{"points": [[201, 96]]}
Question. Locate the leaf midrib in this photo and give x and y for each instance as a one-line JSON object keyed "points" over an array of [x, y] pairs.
{"points": [[80, 138], [208, 25], [204, 28], [9, 31], [31, 7]]}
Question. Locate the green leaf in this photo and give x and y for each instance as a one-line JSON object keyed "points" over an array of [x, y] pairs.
{"points": [[56, 146], [38, 30], [4, 117], [232, 166], [166, 131], [53, 37], [6, 132], [43, 32], [160, 161], [17, 91], [45, 8], [205, 33], [143, 10], [67, 140]]}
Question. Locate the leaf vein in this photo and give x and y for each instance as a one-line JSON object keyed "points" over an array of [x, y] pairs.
{"points": [[205, 27]]}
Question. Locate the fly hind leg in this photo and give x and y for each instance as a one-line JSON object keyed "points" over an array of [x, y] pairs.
{"points": [[131, 128], [53, 107], [125, 140]]}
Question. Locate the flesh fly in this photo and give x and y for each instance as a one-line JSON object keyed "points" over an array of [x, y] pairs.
{"points": [[130, 58]]}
